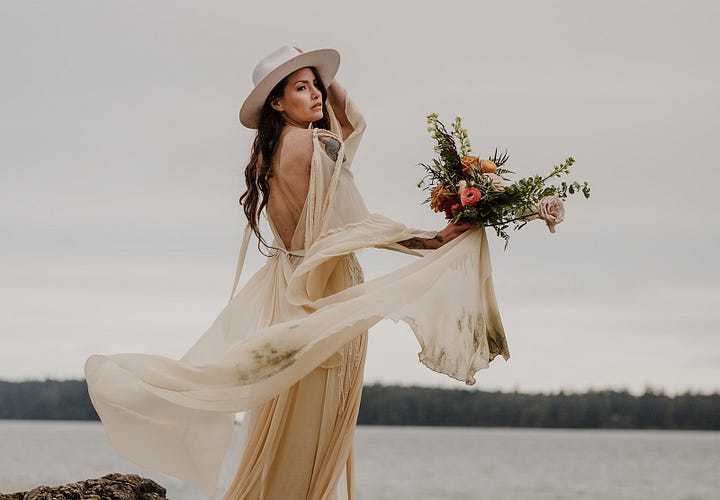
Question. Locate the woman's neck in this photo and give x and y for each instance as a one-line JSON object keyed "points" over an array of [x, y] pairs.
{"points": [[293, 123]]}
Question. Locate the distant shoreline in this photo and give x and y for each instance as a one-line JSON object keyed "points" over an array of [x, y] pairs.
{"points": [[432, 407]]}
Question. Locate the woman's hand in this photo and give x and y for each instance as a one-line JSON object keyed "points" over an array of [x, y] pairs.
{"points": [[448, 234], [452, 231]]}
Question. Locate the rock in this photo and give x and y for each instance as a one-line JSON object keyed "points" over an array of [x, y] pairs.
{"points": [[110, 487]]}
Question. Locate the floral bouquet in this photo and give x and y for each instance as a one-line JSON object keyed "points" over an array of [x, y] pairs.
{"points": [[469, 189]]}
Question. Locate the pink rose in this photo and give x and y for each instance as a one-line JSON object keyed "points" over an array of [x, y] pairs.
{"points": [[497, 182], [470, 196], [551, 209]]}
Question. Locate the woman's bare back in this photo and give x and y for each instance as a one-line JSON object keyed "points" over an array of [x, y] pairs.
{"points": [[289, 182]]}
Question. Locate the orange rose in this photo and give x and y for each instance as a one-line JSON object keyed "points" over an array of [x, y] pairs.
{"points": [[437, 197], [469, 163], [488, 167]]}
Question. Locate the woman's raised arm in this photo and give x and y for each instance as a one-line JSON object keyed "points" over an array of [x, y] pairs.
{"points": [[338, 98]]}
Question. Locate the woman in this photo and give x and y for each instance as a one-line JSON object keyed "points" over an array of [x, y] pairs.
{"points": [[290, 347], [309, 452]]}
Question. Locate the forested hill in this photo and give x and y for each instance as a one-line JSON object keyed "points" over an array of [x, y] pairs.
{"points": [[394, 405], [46, 400], [391, 405]]}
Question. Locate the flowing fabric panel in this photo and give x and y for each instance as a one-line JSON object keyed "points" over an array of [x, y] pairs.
{"points": [[445, 297]]}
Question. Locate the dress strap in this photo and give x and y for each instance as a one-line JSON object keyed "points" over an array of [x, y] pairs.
{"points": [[241, 259], [295, 253]]}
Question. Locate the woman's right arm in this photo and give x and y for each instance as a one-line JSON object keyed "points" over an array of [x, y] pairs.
{"points": [[449, 233]]}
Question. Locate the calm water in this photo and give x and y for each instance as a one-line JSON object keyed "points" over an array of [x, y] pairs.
{"points": [[413, 463]]}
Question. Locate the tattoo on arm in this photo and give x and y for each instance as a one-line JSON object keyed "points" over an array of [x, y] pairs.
{"points": [[332, 146], [413, 243], [423, 243]]}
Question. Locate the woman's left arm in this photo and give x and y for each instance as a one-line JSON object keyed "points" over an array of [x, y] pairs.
{"points": [[448, 234], [338, 100]]}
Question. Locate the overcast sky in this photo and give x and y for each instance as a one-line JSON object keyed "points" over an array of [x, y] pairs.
{"points": [[121, 162]]}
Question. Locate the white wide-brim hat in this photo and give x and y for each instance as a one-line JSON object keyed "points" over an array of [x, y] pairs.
{"points": [[276, 66]]}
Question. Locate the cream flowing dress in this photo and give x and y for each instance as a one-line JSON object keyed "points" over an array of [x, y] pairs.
{"points": [[290, 347]]}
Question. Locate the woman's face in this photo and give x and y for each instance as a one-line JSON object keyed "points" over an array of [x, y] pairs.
{"points": [[301, 103]]}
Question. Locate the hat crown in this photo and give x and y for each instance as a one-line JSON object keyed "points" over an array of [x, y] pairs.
{"points": [[273, 61]]}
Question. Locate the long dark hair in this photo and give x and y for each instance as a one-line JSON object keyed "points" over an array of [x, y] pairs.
{"points": [[259, 168]]}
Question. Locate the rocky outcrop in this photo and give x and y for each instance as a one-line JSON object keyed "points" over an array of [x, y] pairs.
{"points": [[110, 487]]}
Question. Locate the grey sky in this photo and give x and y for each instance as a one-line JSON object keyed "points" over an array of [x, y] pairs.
{"points": [[121, 164]]}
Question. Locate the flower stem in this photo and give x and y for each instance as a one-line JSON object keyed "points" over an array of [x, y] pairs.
{"points": [[523, 217]]}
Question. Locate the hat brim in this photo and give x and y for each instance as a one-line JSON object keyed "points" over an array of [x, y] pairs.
{"points": [[326, 61]]}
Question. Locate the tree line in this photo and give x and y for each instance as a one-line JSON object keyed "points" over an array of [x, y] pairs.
{"points": [[46, 400], [422, 406], [391, 405]]}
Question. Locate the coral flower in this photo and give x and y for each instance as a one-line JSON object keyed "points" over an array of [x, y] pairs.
{"points": [[438, 197], [469, 163], [470, 196], [488, 167]]}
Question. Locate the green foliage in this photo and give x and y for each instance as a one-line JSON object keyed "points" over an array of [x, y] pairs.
{"points": [[462, 136], [448, 158]]}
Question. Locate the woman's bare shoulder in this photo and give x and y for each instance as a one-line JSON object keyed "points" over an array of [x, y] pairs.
{"points": [[296, 149]]}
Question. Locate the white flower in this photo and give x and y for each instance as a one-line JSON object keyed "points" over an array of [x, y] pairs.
{"points": [[551, 209], [497, 182]]}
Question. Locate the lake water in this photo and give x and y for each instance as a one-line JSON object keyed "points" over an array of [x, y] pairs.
{"points": [[420, 463]]}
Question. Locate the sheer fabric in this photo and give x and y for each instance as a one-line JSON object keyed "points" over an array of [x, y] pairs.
{"points": [[290, 347]]}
